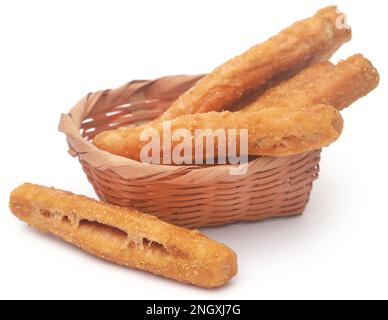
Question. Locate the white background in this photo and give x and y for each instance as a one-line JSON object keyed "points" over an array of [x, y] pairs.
{"points": [[52, 53]]}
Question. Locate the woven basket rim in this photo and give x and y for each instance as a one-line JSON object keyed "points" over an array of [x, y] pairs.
{"points": [[70, 124]]}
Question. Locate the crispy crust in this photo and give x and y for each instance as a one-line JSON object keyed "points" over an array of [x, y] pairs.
{"points": [[126, 237], [277, 86], [272, 131], [305, 42], [338, 86]]}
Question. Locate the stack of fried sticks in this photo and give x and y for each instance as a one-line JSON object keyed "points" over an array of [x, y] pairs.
{"points": [[300, 93], [296, 111]]}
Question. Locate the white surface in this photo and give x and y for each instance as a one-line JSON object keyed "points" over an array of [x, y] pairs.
{"points": [[53, 53]]}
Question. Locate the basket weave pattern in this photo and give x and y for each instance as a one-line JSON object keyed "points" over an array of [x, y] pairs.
{"points": [[189, 196]]}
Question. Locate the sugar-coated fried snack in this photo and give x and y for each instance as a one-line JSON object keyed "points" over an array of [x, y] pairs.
{"points": [[272, 131], [282, 84], [307, 41], [338, 86], [126, 237], [281, 90]]}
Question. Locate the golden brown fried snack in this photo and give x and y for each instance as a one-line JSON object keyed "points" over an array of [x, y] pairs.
{"points": [[338, 86], [126, 237], [307, 41], [281, 85], [272, 131]]}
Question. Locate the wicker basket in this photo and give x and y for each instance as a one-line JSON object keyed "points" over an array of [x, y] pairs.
{"points": [[190, 196]]}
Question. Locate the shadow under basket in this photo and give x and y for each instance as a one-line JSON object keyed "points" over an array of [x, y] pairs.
{"points": [[189, 196]]}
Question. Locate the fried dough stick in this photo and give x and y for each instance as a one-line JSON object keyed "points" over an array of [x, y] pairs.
{"points": [[271, 132], [307, 41], [126, 237], [338, 86], [277, 86]]}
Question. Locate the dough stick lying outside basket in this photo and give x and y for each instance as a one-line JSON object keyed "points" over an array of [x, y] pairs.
{"points": [[126, 237]]}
